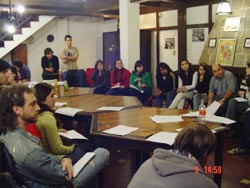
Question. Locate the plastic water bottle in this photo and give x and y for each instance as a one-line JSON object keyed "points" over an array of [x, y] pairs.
{"points": [[202, 112]]}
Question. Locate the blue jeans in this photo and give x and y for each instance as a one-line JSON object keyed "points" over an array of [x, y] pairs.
{"points": [[88, 175], [197, 100], [169, 97]]}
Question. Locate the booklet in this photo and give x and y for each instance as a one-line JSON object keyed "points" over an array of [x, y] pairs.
{"points": [[72, 134], [111, 108], [59, 104], [68, 111], [120, 130], [79, 165]]}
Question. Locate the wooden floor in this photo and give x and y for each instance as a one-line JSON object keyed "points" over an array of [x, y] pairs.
{"points": [[236, 168]]}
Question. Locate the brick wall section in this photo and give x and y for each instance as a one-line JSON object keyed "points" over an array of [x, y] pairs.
{"points": [[242, 55]]}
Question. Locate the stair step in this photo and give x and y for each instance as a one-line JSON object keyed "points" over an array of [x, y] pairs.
{"points": [[8, 38], [1, 44]]}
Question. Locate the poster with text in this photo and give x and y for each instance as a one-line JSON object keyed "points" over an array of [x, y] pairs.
{"points": [[225, 52]]}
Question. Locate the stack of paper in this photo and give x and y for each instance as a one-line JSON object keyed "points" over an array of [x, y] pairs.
{"points": [[163, 137], [72, 134], [213, 108], [111, 108], [166, 119], [121, 130], [218, 119], [191, 114], [59, 104], [68, 111], [82, 163]]}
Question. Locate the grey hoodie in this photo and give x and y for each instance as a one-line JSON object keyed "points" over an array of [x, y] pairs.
{"points": [[169, 170]]}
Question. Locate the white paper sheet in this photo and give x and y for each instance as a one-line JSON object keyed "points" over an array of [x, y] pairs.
{"points": [[79, 165], [111, 108], [240, 99], [166, 119], [59, 104], [72, 134], [212, 108], [218, 119], [214, 130], [121, 130], [163, 137], [115, 86], [191, 114], [68, 111]]}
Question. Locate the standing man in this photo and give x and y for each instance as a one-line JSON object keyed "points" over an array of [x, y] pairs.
{"points": [[35, 167], [50, 65], [222, 87], [5, 72], [69, 56]]}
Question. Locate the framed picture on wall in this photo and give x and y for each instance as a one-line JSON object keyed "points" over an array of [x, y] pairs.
{"points": [[198, 35], [212, 42], [226, 51], [247, 43], [169, 43]]}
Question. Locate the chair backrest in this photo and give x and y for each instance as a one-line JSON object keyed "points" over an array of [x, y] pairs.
{"points": [[7, 164], [76, 78], [89, 72]]}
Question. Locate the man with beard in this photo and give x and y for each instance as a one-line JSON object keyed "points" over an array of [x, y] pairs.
{"points": [[18, 107], [5, 72]]}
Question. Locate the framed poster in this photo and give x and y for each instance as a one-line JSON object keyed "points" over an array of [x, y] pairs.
{"points": [[212, 42], [247, 43], [225, 51], [232, 24], [169, 43]]}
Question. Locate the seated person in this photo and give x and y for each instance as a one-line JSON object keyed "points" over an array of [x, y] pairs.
{"points": [[166, 85], [119, 80], [222, 87], [201, 89], [5, 72], [244, 144], [48, 125], [235, 108], [140, 82], [13, 76], [100, 78], [187, 81], [50, 65], [37, 168], [22, 70], [179, 167]]}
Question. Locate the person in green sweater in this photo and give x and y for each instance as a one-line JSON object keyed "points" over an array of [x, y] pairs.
{"points": [[48, 124], [140, 82]]}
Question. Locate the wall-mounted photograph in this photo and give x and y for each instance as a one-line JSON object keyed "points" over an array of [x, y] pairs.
{"points": [[169, 43], [247, 43], [226, 51], [198, 35], [212, 42]]}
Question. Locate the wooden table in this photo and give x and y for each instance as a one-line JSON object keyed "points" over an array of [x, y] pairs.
{"points": [[90, 102], [140, 117], [74, 91]]}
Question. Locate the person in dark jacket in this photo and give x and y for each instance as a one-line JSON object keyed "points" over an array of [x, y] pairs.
{"points": [[187, 81], [182, 166], [50, 65], [202, 87], [166, 85], [100, 78]]}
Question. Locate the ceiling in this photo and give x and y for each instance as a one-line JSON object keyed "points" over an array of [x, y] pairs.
{"points": [[103, 8]]}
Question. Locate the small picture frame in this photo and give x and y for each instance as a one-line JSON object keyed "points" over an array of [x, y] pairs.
{"points": [[212, 42], [247, 43]]}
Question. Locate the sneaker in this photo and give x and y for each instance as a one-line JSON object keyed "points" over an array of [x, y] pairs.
{"points": [[237, 151]]}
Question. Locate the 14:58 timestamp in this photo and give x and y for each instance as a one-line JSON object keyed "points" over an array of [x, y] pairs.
{"points": [[212, 169]]}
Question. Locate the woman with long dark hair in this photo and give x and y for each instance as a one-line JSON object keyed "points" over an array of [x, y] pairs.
{"points": [[140, 82], [187, 81], [48, 125], [166, 84], [119, 80], [202, 86], [100, 78]]}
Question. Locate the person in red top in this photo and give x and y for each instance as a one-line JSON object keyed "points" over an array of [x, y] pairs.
{"points": [[119, 80]]}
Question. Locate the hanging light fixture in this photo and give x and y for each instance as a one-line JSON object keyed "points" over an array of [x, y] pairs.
{"points": [[224, 8]]}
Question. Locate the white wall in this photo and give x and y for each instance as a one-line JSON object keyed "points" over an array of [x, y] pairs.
{"points": [[169, 56], [148, 21], [87, 37]]}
